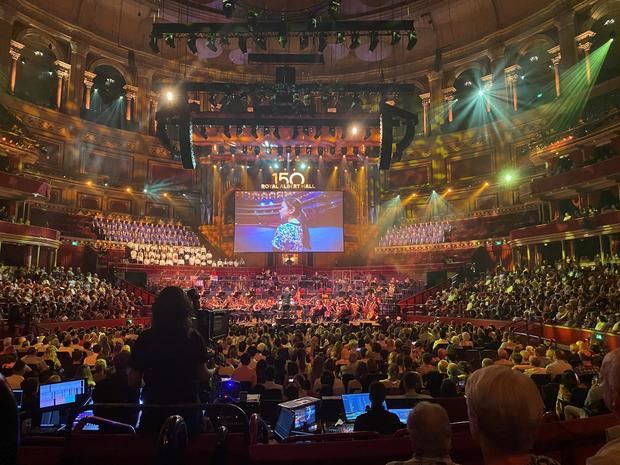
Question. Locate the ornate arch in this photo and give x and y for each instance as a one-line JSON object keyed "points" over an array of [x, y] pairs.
{"points": [[56, 48], [602, 9], [127, 75], [542, 40], [456, 73]]}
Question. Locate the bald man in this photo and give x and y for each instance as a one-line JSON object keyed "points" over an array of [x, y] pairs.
{"points": [[429, 429], [609, 454]]}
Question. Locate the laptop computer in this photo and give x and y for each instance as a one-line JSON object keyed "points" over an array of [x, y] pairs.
{"points": [[401, 413], [356, 404], [284, 425]]}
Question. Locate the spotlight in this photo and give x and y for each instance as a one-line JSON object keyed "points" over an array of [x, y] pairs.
{"points": [[169, 96], [295, 132], [468, 83], [154, 46], [481, 93], [303, 42], [609, 22], [367, 134], [224, 40], [303, 166], [354, 130], [228, 7], [266, 131], [169, 40], [313, 22], [317, 132], [412, 39], [239, 130], [332, 132], [210, 43], [395, 37], [340, 38], [276, 132], [89, 183], [306, 131], [334, 8], [276, 165], [165, 194], [282, 39], [260, 42], [145, 190], [243, 44], [355, 40], [486, 184], [374, 41], [254, 132], [227, 131], [322, 41], [191, 44], [128, 190]]}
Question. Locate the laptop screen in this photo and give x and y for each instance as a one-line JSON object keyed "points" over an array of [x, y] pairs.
{"points": [[285, 423], [59, 394], [402, 413], [356, 404]]}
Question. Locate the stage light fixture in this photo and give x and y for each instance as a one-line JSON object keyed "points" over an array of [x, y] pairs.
{"points": [[276, 165], [297, 150], [266, 131], [332, 131], [334, 8], [317, 132], [282, 39], [609, 22], [355, 40], [210, 43], [128, 190], [340, 38], [276, 132], [228, 7], [295, 132], [254, 132], [224, 40], [303, 166], [412, 39], [260, 42], [354, 130], [227, 131], [374, 41], [322, 41], [303, 42], [468, 83], [306, 131], [145, 191], [170, 40], [395, 37], [191, 44], [153, 43], [481, 93], [367, 134], [169, 96], [243, 44], [239, 129]]}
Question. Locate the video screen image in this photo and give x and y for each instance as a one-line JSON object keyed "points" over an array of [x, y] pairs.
{"points": [[293, 221]]}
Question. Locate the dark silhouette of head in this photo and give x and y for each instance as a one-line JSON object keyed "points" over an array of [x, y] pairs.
{"points": [[171, 310]]}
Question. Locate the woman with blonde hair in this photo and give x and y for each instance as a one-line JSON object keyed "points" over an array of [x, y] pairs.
{"points": [[50, 354]]}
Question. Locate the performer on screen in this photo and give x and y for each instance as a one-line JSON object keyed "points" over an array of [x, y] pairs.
{"points": [[291, 236]]}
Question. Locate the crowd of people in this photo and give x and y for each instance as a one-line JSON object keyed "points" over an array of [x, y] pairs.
{"points": [[416, 234], [141, 232], [566, 294], [28, 297]]}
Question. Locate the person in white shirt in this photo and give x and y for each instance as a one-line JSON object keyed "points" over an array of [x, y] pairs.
{"points": [[559, 364], [609, 454]]}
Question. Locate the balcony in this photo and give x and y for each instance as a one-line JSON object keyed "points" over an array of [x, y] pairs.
{"points": [[16, 233], [603, 223], [18, 187], [601, 175]]}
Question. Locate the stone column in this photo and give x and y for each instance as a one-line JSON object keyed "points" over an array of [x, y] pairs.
{"points": [[426, 105], [556, 57], [131, 94], [487, 86], [62, 74], [512, 74], [434, 81], [89, 79], [143, 103], [15, 53], [566, 33], [584, 44], [448, 98], [74, 83], [153, 103], [7, 18]]}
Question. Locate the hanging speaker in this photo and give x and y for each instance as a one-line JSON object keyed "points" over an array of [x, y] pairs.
{"points": [[385, 154]]}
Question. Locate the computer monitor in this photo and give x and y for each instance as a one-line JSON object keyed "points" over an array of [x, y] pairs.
{"points": [[356, 404], [402, 414], [18, 394], [306, 419], [284, 425], [60, 394]]}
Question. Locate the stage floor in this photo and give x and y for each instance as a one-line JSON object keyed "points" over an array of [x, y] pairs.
{"points": [[299, 321]]}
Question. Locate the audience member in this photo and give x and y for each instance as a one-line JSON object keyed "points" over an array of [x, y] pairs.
{"points": [[377, 418]]}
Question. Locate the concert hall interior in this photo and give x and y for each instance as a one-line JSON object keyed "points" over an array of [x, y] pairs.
{"points": [[268, 231]]}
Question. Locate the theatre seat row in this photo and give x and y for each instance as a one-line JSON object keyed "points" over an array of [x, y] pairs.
{"points": [[569, 442]]}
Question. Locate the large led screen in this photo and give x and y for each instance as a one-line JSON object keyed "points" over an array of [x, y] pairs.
{"points": [[293, 221]]}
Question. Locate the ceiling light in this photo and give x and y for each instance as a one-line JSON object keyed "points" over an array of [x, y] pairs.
{"points": [[534, 58], [243, 44], [395, 37], [191, 44], [468, 83], [355, 40], [374, 41], [322, 41], [609, 22], [169, 40], [38, 53], [228, 7], [412, 39]]}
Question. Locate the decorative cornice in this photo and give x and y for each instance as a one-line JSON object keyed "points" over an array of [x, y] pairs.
{"points": [[15, 49]]}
